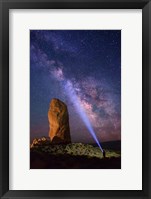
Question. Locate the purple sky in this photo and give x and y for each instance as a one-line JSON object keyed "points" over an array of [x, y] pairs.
{"points": [[90, 62]]}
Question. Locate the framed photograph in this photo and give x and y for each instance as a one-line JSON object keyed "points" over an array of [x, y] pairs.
{"points": [[75, 99]]}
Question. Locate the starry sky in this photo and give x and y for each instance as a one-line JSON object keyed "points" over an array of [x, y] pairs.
{"points": [[89, 63]]}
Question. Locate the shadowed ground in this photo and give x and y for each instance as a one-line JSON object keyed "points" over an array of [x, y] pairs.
{"points": [[44, 155], [46, 161]]}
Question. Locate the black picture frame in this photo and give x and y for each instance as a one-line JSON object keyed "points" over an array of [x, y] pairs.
{"points": [[5, 5]]}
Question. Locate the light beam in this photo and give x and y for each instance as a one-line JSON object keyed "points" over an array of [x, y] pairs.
{"points": [[73, 97]]}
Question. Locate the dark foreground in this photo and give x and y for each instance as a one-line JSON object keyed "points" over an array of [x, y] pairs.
{"points": [[65, 161]]}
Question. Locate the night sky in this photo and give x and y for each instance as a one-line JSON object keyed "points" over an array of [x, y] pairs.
{"points": [[89, 62]]}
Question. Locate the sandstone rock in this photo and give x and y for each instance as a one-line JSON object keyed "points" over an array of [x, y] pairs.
{"points": [[40, 142], [58, 118]]}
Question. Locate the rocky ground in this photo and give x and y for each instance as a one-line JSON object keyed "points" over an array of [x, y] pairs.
{"points": [[45, 155]]}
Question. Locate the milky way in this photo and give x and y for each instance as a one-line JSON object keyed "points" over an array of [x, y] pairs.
{"points": [[90, 61]]}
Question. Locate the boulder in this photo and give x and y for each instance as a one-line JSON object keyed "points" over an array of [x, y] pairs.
{"points": [[58, 118]]}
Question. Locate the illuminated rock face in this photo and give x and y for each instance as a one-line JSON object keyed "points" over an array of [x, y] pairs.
{"points": [[58, 118]]}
